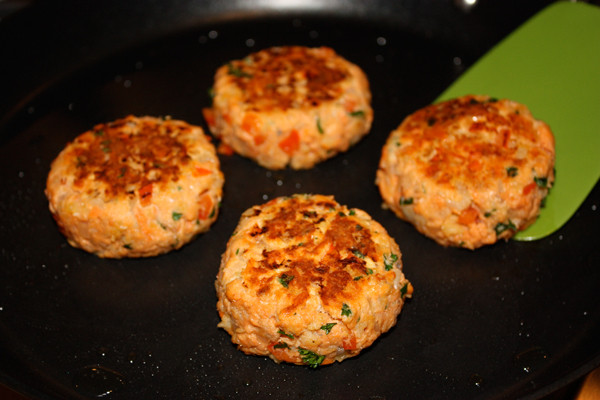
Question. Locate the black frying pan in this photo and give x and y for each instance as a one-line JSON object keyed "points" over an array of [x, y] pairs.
{"points": [[513, 320]]}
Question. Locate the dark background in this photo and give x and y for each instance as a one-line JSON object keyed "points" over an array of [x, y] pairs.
{"points": [[513, 320]]}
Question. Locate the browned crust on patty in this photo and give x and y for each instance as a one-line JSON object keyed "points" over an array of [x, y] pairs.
{"points": [[289, 105], [130, 153], [435, 124], [468, 171], [261, 75], [303, 273], [135, 187], [343, 248]]}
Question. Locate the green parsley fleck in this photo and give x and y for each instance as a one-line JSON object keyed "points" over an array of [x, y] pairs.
{"points": [[285, 280], [281, 345], [488, 214], [501, 227], [327, 327], [404, 201], [541, 182], [106, 146], [309, 214], [237, 72], [358, 278], [512, 171], [310, 358], [389, 261], [369, 271], [319, 127], [346, 310], [357, 113], [99, 132], [404, 290], [352, 212], [282, 332], [341, 214], [358, 254], [211, 92], [176, 216], [128, 246]]}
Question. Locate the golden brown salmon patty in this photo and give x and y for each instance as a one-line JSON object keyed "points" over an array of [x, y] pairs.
{"points": [[292, 106], [468, 171], [308, 281], [135, 187]]}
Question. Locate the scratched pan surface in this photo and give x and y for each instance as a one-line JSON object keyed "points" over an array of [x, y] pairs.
{"points": [[517, 319]]}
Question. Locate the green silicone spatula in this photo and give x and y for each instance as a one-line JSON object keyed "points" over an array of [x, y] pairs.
{"points": [[551, 64]]}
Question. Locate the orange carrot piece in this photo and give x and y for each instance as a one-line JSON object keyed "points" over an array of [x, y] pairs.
{"points": [[349, 105], [225, 149], [200, 171], [468, 216], [209, 117], [145, 193], [250, 122], [205, 207], [291, 143], [349, 343], [280, 353], [527, 189]]}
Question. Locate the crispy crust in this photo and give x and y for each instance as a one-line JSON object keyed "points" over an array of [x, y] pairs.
{"points": [[468, 171], [135, 187], [291, 105], [305, 274]]}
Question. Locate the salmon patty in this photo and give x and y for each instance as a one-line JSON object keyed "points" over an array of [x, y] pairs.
{"points": [[135, 187], [290, 106], [468, 171], [306, 280]]}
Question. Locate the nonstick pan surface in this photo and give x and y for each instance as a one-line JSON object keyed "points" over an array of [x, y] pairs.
{"points": [[512, 320]]}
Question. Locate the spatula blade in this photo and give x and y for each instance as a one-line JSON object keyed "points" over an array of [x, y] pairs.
{"points": [[551, 64]]}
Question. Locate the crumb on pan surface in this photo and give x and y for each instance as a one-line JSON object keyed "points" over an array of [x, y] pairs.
{"points": [[135, 187], [468, 171], [305, 280], [290, 106]]}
